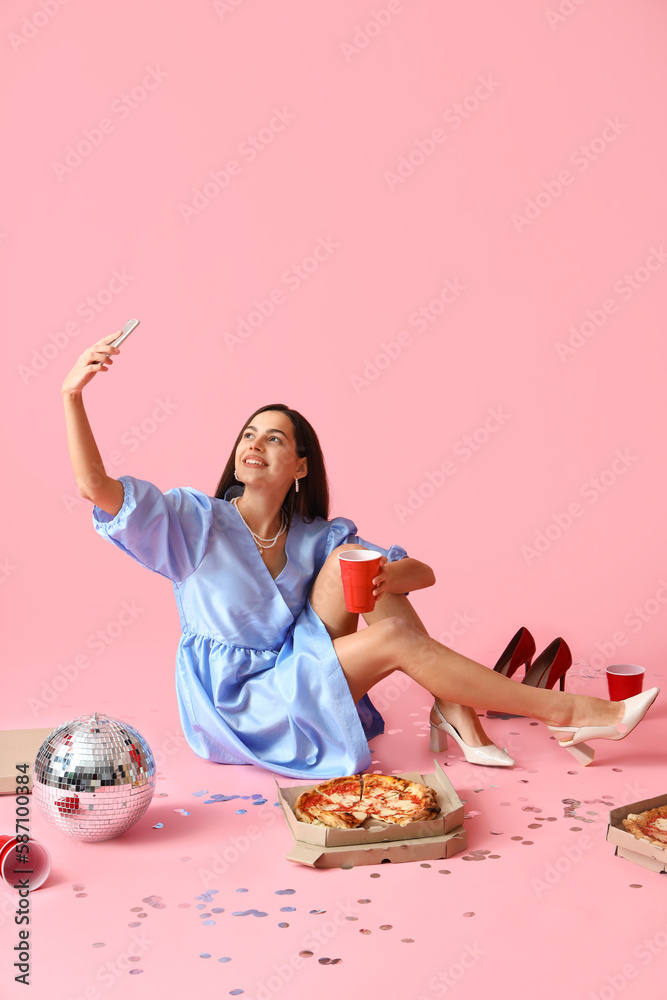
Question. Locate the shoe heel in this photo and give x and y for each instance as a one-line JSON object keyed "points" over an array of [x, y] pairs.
{"points": [[582, 753], [438, 741]]}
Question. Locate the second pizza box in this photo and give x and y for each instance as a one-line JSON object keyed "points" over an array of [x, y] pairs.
{"points": [[641, 852], [323, 847]]}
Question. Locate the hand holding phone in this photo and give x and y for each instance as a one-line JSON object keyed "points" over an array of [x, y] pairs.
{"points": [[125, 332]]}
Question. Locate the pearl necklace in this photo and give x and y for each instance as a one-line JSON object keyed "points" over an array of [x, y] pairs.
{"points": [[268, 542]]}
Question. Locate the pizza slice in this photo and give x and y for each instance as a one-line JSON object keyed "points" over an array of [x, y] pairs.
{"points": [[649, 825]]}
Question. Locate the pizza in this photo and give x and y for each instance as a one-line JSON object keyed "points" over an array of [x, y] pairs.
{"points": [[346, 803], [649, 825]]}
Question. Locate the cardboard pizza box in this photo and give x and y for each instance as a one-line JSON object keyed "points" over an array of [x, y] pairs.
{"points": [[321, 847], [640, 852], [18, 746]]}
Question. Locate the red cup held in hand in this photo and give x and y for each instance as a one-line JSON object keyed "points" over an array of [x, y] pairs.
{"points": [[358, 569], [624, 680]]}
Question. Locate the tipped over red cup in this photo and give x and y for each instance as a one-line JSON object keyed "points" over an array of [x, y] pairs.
{"points": [[22, 862], [358, 568], [624, 680]]}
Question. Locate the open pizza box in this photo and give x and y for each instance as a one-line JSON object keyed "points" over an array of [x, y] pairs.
{"points": [[641, 852], [323, 847], [18, 747]]}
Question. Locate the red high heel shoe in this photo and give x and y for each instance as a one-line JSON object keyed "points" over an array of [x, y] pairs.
{"points": [[550, 666], [520, 650]]}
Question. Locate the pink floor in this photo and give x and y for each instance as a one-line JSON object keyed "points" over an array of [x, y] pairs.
{"points": [[198, 899]]}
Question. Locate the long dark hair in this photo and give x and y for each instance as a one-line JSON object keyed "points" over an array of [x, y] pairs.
{"points": [[312, 500]]}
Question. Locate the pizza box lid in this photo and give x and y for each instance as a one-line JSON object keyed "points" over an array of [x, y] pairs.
{"points": [[451, 816], [641, 852], [18, 746], [396, 851]]}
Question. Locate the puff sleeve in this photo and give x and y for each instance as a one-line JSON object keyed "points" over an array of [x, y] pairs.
{"points": [[167, 533]]}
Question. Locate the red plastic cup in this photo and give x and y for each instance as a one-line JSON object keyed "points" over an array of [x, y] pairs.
{"points": [[13, 869], [358, 568], [624, 680]]}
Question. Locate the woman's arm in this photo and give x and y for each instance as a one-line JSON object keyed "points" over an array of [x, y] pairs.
{"points": [[92, 480], [402, 576]]}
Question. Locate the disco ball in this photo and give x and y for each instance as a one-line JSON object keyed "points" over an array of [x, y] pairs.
{"points": [[94, 777]]}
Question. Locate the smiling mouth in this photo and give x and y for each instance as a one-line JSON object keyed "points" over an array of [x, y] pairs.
{"points": [[256, 463]]}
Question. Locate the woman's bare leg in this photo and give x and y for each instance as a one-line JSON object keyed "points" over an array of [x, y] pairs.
{"points": [[463, 718], [395, 643]]}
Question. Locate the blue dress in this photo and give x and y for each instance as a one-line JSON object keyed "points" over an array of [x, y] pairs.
{"points": [[257, 678]]}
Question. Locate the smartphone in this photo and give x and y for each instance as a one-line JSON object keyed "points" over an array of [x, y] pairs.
{"points": [[131, 325]]}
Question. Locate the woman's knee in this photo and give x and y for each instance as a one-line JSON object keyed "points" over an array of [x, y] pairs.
{"points": [[396, 632]]}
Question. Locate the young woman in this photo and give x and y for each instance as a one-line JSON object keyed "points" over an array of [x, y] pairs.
{"points": [[270, 668]]}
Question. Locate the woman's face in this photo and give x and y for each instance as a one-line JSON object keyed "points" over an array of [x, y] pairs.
{"points": [[266, 455]]}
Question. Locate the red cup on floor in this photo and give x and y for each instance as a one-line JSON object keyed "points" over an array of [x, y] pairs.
{"points": [[18, 865], [358, 568], [624, 680]]}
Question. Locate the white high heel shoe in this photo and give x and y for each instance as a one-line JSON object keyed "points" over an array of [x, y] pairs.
{"points": [[635, 710], [490, 755]]}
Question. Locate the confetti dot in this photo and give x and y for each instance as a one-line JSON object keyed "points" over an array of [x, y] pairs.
{"points": [[363, 901], [287, 909], [235, 993], [99, 944], [204, 954], [469, 914], [208, 923], [158, 826], [283, 925], [81, 895], [241, 812], [305, 954], [363, 930], [385, 927], [444, 871], [324, 961], [424, 866], [375, 875], [318, 911], [133, 958], [636, 885], [202, 915], [225, 958], [284, 892], [407, 940], [135, 923], [218, 909], [351, 918], [336, 961], [242, 890], [136, 909], [136, 972]]}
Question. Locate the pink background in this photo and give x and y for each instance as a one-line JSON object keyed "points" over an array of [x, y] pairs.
{"points": [[509, 156]]}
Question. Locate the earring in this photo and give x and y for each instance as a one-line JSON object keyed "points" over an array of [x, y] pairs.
{"points": [[236, 477], [296, 485]]}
